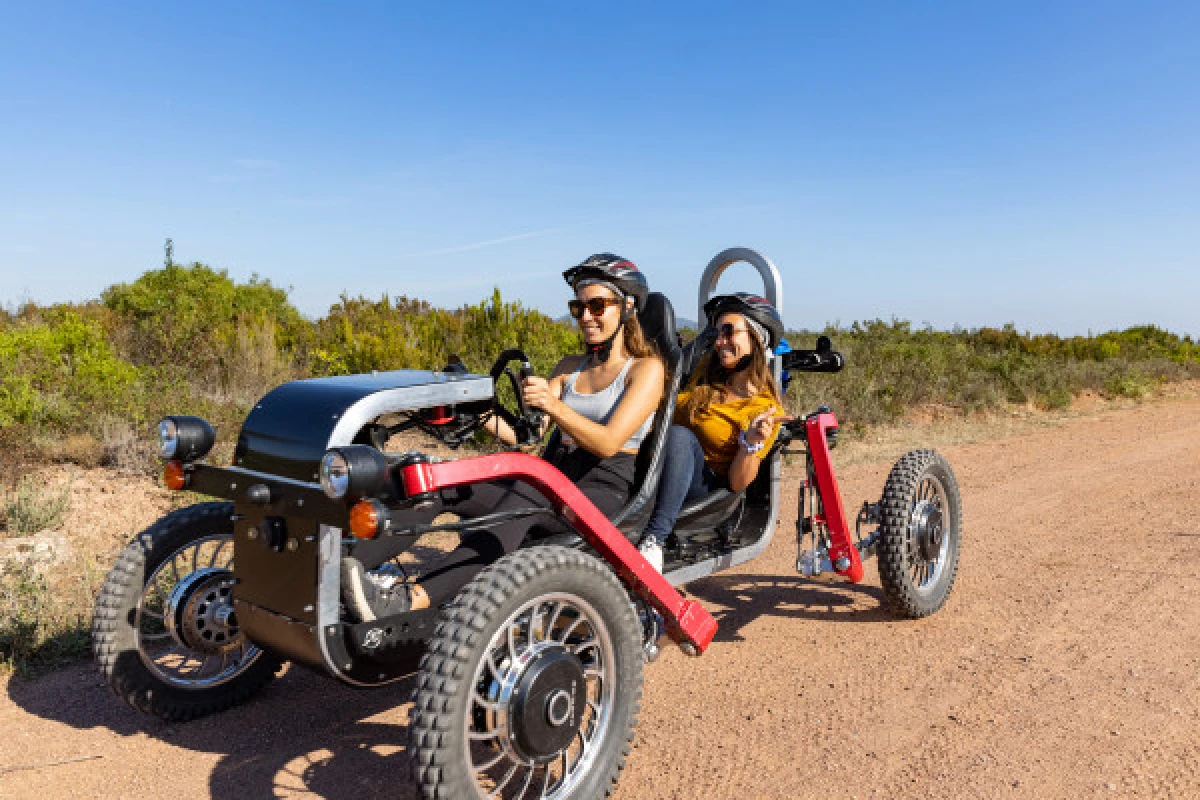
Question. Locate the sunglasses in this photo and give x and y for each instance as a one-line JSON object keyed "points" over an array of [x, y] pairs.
{"points": [[596, 305], [727, 330]]}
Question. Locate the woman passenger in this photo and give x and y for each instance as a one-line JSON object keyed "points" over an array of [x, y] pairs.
{"points": [[726, 418]]}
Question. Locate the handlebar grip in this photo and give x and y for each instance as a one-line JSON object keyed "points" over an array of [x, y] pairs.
{"points": [[813, 361]]}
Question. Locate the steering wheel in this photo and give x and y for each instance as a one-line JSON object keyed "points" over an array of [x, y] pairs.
{"points": [[527, 422]]}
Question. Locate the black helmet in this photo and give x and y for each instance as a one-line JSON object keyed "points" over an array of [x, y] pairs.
{"points": [[620, 272], [748, 305]]}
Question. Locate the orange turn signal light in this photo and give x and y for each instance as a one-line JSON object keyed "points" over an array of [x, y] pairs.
{"points": [[365, 517], [174, 476]]}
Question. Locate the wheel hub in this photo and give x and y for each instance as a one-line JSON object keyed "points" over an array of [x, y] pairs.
{"points": [[927, 529], [547, 704], [200, 612]]}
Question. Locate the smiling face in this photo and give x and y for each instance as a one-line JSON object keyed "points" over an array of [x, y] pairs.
{"points": [[730, 349], [597, 329]]}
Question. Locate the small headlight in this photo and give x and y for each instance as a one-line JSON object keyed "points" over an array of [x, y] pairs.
{"points": [[335, 474], [168, 438], [353, 471], [185, 438]]}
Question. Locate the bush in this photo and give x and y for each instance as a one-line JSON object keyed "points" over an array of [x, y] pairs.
{"points": [[39, 629], [197, 318], [30, 507], [360, 335], [56, 371]]}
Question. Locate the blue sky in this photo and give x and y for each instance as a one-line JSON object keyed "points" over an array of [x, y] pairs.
{"points": [[949, 163]]}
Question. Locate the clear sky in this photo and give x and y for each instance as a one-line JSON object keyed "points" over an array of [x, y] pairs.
{"points": [[949, 163]]}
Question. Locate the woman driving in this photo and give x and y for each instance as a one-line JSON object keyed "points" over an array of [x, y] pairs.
{"points": [[603, 403], [726, 418]]}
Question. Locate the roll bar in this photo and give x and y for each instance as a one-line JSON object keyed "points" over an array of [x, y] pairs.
{"points": [[772, 283]]}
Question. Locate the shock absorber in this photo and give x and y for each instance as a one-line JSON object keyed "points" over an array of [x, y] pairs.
{"points": [[811, 561]]}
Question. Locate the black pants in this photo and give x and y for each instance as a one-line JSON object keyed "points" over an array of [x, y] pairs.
{"points": [[608, 483]]}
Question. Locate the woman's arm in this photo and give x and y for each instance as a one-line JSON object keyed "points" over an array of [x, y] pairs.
{"points": [[745, 464], [643, 390]]}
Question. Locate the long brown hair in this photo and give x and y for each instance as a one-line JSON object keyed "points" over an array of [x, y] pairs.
{"points": [[709, 377], [636, 342]]}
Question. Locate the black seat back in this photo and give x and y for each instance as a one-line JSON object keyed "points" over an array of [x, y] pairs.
{"points": [[657, 319]]}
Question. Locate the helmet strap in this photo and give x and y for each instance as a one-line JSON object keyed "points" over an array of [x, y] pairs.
{"points": [[602, 351]]}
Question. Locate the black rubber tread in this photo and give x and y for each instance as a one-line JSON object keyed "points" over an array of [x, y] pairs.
{"points": [[469, 623], [114, 640], [898, 589]]}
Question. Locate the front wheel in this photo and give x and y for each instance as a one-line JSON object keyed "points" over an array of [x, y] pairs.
{"points": [[920, 534], [532, 683], [164, 631]]}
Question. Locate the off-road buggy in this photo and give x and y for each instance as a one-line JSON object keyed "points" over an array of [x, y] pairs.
{"points": [[529, 680]]}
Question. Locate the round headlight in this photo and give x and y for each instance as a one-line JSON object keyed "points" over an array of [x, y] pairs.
{"points": [[168, 438], [352, 471], [185, 438], [335, 474]]}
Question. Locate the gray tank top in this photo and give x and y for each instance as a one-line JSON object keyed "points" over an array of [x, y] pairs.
{"points": [[598, 406]]}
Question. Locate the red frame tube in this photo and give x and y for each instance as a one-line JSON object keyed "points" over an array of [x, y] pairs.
{"points": [[687, 620], [841, 544]]}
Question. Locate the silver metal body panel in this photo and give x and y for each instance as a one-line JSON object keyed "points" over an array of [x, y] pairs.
{"points": [[419, 390]]}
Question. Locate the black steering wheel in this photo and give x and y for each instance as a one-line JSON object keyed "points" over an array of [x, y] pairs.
{"points": [[526, 422]]}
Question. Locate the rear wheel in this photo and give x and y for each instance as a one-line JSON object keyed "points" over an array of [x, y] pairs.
{"points": [[164, 632], [920, 534], [532, 683]]}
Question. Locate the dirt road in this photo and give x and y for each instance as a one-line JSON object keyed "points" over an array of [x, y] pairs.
{"points": [[1066, 664]]}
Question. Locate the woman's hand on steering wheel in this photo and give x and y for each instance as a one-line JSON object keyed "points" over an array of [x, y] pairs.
{"points": [[536, 392]]}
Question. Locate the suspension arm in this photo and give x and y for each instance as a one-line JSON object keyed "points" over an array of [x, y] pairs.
{"points": [[688, 622], [841, 546]]}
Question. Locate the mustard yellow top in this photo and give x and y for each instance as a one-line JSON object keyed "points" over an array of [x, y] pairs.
{"points": [[718, 426]]}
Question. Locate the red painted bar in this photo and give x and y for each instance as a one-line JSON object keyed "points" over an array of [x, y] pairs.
{"points": [[841, 544], [687, 620]]}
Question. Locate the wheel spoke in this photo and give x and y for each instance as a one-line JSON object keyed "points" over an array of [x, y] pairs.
{"points": [[570, 629], [512, 644], [497, 792], [558, 607], [528, 782], [486, 704], [584, 645], [496, 760], [483, 736]]}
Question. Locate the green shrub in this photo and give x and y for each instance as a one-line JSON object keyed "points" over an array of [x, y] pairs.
{"points": [[360, 335], [40, 628], [55, 371], [192, 317], [30, 507]]}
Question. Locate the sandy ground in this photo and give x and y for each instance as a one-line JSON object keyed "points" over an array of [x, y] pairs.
{"points": [[1066, 664]]}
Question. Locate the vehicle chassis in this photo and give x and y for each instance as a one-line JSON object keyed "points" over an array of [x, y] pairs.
{"points": [[281, 590]]}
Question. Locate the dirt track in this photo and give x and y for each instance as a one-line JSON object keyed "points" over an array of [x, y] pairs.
{"points": [[1067, 663]]}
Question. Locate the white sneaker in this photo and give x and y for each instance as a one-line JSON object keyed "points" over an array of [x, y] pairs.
{"points": [[652, 552]]}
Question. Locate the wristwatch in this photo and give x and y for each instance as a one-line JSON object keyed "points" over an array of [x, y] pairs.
{"points": [[749, 448]]}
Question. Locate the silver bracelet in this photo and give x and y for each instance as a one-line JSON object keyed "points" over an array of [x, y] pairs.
{"points": [[749, 448]]}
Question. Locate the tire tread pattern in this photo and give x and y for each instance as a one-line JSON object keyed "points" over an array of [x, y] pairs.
{"points": [[114, 642], [459, 635], [899, 592]]}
